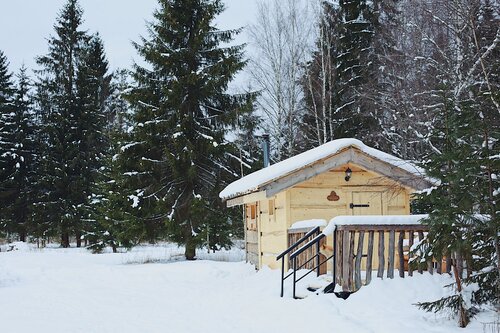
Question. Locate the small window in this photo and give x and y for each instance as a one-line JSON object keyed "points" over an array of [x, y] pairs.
{"points": [[271, 207], [252, 217], [253, 212]]}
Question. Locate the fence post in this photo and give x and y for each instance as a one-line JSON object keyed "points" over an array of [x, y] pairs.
{"points": [[381, 254], [410, 243], [369, 257], [401, 254], [357, 266], [345, 261], [334, 268]]}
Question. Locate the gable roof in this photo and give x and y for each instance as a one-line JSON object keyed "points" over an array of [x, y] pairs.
{"points": [[321, 159]]}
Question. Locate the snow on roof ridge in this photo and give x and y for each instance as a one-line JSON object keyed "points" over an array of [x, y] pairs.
{"points": [[253, 181]]}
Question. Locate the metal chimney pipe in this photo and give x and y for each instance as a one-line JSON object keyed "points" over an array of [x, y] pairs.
{"points": [[266, 150]]}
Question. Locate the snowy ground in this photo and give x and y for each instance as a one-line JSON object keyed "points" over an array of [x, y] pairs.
{"points": [[151, 289]]}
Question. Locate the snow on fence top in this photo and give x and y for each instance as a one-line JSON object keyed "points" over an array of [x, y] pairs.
{"points": [[308, 224], [373, 220], [255, 180]]}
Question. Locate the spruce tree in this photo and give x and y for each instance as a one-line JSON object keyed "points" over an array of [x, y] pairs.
{"points": [[72, 92], [353, 116], [7, 165], [463, 219], [93, 90], [182, 112], [344, 81], [452, 213], [22, 131]]}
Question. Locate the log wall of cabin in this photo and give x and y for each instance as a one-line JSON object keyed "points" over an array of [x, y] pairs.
{"points": [[309, 200], [273, 228], [267, 232]]}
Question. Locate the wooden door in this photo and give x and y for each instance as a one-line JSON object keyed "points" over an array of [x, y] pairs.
{"points": [[366, 203]]}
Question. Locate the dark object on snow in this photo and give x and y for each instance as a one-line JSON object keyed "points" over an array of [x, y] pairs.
{"points": [[343, 294], [329, 288]]}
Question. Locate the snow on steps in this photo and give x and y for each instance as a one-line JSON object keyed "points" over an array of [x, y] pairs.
{"points": [[314, 286]]}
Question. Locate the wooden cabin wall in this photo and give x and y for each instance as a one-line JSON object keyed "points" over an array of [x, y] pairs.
{"points": [[267, 232], [273, 229], [309, 200], [251, 234]]}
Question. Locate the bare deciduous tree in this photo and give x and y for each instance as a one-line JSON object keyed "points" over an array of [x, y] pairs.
{"points": [[281, 38]]}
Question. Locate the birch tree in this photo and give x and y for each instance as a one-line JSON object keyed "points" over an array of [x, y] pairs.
{"points": [[281, 37]]}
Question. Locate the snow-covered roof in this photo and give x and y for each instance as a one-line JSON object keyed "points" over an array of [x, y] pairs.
{"points": [[256, 180]]}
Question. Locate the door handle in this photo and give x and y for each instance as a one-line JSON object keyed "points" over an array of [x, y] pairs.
{"points": [[352, 206]]}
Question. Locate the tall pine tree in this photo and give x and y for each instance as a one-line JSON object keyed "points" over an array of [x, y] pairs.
{"points": [[178, 150]]}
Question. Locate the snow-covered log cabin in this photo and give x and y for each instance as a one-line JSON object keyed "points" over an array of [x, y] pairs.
{"points": [[341, 177]]}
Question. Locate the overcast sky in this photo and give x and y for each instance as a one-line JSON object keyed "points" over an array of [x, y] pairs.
{"points": [[26, 24]]}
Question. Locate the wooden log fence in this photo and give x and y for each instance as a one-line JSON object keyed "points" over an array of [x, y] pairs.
{"points": [[360, 249], [392, 244]]}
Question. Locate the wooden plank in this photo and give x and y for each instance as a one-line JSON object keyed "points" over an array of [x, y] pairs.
{"points": [[390, 171], [334, 178], [420, 237], [369, 257], [253, 258], [351, 260], [401, 254], [345, 261], [357, 266], [301, 231], [252, 236], [307, 172], [244, 199], [381, 254], [317, 197], [252, 248], [410, 242], [323, 268], [338, 257], [390, 259], [383, 227]]}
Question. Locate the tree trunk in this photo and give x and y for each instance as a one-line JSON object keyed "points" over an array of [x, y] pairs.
{"points": [[65, 239], [190, 252], [463, 319], [22, 236], [78, 239]]}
